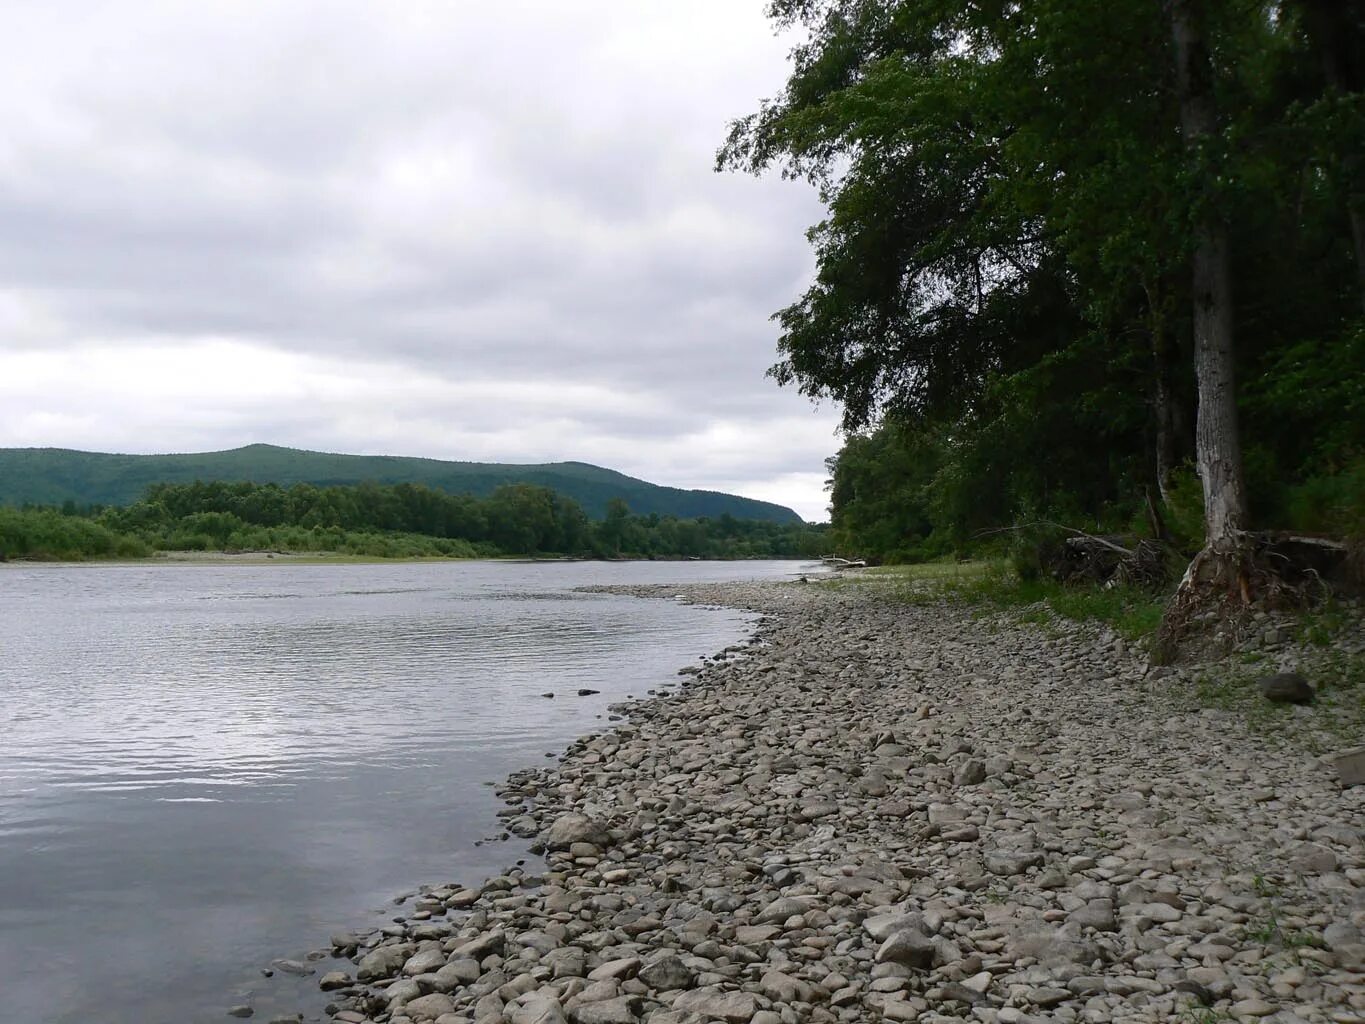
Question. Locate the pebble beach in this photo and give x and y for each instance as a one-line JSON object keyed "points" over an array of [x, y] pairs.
{"points": [[878, 811]]}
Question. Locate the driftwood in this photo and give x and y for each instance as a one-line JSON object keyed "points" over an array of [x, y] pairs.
{"points": [[1101, 560], [1088, 558]]}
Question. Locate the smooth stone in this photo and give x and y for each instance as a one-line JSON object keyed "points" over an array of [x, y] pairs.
{"points": [[1012, 862], [620, 1010], [1350, 766], [625, 967], [539, 1010], [425, 1009], [666, 974], [425, 962], [714, 1003], [576, 828], [384, 962]]}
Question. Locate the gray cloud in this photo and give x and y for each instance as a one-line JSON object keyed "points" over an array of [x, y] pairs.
{"points": [[428, 228]]}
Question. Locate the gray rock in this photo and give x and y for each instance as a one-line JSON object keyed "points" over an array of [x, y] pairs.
{"points": [[1340, 933], [456, 974], [621, 1010], [666, 974], [539, 1010], [384, 962], [624, 967], [567, 963], [714, 1003], [480, 947], [973, 773], [576, 828], [294, 967], [425, 962], [1050, 945], [1313, 859], [1350, 766], [426, 1009], [783, 989], [1097, 914], [1012, 862], [334, 980], [779, 910], [909, 947], [400, 992]]}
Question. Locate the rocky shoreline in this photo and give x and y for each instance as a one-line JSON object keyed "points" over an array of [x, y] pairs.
{"points": [[904, 813]]}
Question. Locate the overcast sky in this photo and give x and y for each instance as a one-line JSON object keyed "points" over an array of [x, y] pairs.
{"points": [[484, 231]]}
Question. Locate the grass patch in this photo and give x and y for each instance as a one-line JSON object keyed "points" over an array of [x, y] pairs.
{"points": [[994, 585], [1321, 625], [1334, 720]]}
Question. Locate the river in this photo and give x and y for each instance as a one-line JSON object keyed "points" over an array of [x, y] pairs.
{"points": [[204, 767]]}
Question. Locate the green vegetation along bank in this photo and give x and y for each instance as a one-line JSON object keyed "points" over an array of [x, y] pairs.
{"points": [[397, 521]]}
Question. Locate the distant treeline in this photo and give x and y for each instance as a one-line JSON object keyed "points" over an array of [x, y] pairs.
{"points": [[398, 521]]}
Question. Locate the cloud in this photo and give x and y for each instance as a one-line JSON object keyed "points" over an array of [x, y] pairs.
{"points": [[437, 229]]}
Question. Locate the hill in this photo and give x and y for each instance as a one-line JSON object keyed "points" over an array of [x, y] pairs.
{"points": [[51, 476]]}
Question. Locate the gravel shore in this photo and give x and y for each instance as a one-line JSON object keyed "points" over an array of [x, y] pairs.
{"points": [[905, 813]]}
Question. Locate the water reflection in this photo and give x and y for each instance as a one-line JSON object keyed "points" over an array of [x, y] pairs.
{"points": [[202, 767]]}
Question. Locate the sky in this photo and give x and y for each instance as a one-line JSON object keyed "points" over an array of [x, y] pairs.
{"points": [[478, 231]]}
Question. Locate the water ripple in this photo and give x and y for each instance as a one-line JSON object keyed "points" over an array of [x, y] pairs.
{"points": [[211, 762]]}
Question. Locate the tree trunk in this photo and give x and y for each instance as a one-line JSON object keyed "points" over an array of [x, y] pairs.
{"points": [[1218, 451]]}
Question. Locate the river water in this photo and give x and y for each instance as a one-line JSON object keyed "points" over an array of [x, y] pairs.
{"points": [[203, 767]]}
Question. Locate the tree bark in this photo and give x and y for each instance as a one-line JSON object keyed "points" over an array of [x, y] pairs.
{"points": [[1218, 451]]}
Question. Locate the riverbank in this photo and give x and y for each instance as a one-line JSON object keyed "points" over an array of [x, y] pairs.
{"points": [[891, 811]]}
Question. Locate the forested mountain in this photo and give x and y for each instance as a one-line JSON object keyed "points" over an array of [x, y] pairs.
{"points": [[53, 476]]}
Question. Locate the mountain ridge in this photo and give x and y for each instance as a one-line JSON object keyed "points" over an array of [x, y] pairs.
{"points": [[52, 476]]}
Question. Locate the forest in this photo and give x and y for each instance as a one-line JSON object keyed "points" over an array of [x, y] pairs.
{"points": [[1096, 265], [384, 521]]}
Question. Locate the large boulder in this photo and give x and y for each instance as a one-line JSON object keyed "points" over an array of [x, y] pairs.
{"points": [[576, 828], [384, 962]]}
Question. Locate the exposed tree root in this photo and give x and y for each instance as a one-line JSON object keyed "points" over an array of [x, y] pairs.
{"points": [[1230, 580]]}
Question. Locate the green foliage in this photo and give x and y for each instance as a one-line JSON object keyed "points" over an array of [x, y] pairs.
{"points": [[1002, 302], [881, 497], [1183, 509], [400, 521], [53, 535], [50, 476]]}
